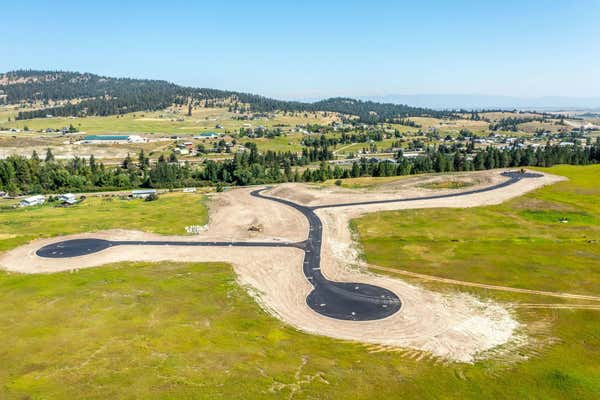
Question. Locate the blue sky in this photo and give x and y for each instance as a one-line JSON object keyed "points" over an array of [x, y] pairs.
{"points": [[306, 49]]}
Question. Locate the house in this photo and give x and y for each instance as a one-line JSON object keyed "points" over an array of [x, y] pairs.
{"points": [[182, 151], [143, 193], [189, 190], [186, 145], [68, 198], [32, 201], [412, 154]]}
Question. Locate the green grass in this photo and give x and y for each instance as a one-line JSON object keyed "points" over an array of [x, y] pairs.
{"points": [[170, 214], [520, 243], [171, 330], [290, 142], [174, 330], [364, 182], [204, 119], [447, 184], [382, 146]]}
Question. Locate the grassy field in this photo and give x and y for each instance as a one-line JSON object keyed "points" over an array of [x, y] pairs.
{"points": [[472, 244], [172, 330], [168, 330], [290, 142], [446, 184], [354, 148], [164, 122], [170, 214], [451, 126], [365, 181]]}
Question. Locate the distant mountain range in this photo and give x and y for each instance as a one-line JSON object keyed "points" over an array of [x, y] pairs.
{"points": [[478, 102]]}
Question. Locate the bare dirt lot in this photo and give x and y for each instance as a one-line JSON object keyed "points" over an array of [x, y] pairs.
{"points": [[453, 327]]}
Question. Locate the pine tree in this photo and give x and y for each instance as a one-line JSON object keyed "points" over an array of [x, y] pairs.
{"points": [[49, 155]]}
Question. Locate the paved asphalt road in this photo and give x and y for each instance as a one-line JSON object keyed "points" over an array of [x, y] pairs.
{"points": [[340, 300]]}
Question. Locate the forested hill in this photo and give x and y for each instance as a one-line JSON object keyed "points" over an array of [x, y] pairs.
{"points": [[90, 94]]}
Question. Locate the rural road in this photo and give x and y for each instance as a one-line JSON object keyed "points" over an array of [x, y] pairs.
{"points": [[339, 300]]}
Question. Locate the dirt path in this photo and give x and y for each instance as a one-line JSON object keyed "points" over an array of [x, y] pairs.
{"points": [[483, 285], [557, 306]]}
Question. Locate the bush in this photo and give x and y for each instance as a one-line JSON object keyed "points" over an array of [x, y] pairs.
{"points": [[151, 197], [338, 182]]}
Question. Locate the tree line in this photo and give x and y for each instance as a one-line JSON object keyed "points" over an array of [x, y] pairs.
{"points": [[22, 175]]}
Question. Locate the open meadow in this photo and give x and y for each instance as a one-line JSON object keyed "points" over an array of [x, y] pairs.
{"points": [[174, 330], [173, 122], [170, 214], [552, 233]]}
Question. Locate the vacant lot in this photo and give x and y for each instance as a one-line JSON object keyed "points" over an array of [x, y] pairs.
{"points": [[170, 214], [552, 236], [172, 330]]}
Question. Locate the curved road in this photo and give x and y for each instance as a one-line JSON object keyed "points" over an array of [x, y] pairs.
{"points": [[339, 300]]}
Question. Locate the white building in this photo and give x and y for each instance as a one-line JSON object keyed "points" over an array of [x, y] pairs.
{"points": [[143, 193], [206, 135], [68, 198], [113, 139], [32, 201], [189, 190], [137, 139], [182, 151]]}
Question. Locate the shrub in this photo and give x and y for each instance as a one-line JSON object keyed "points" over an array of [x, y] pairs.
{"points": [[151, 197]]}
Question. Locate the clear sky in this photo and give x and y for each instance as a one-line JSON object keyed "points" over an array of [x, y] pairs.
{"points": [[305, 49]]}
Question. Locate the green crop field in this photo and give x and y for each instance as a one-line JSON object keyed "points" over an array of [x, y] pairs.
{"points": [[173, 330]]}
